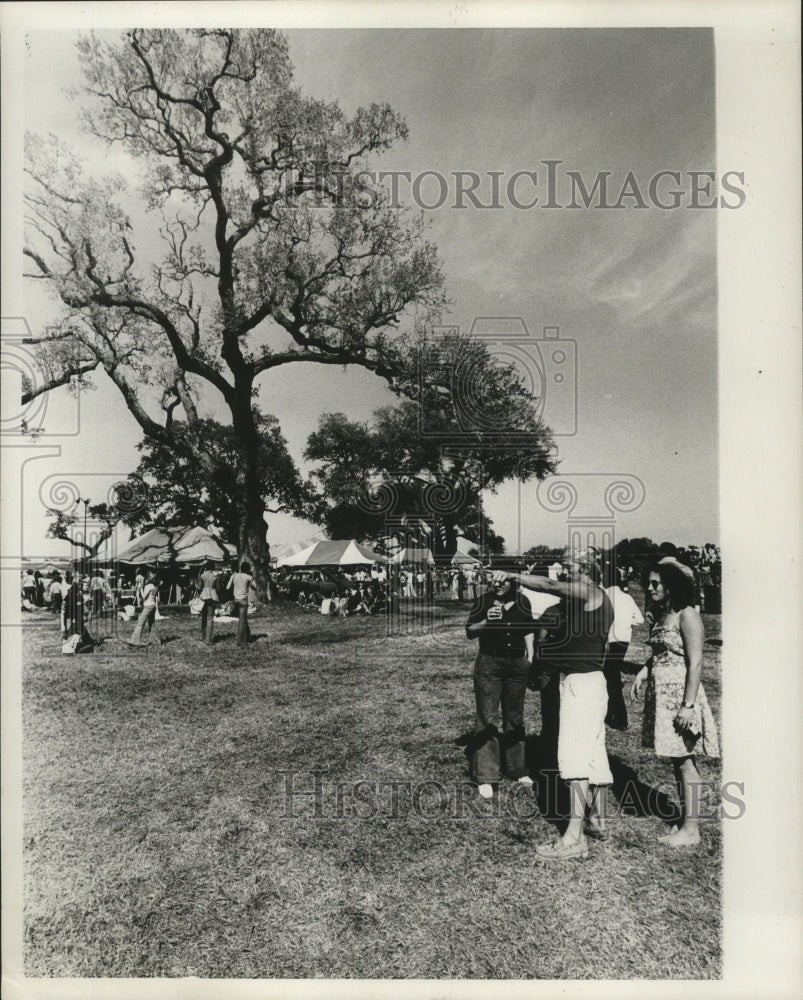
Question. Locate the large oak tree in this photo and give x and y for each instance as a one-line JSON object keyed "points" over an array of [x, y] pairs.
{"points": [[177, 490], [420, 468], [254, 243]]}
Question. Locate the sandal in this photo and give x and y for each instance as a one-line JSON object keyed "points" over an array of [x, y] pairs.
{"points": [[561, 851]]}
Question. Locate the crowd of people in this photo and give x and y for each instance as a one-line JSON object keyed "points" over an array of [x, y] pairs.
{"points": [[565, 634], [364, 598], [413, 581], [568, 637]]}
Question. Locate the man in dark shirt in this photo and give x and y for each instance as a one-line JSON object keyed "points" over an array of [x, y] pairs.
{"points": [[502, 622]]}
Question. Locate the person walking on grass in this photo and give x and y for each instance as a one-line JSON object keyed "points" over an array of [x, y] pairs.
{"points": [[241, 584], [208, 594], [74, 615], [150, 608], [56, 594], [97, 590], [678, 721], [578, 653], [502, 622]]}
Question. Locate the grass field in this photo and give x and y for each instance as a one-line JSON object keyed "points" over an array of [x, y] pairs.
{"points": [[162, 837]]}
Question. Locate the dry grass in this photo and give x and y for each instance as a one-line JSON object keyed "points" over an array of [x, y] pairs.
{"points": [[157, 841]]}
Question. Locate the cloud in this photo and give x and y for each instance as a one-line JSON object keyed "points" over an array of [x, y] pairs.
{"points": [[665, 274]]}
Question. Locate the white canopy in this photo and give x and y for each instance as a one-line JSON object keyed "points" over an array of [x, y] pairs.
{"points": [[346, 552], [281, 552], [410, 555], [464, 559]]}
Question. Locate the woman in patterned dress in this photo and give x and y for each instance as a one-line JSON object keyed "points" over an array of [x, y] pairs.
{"points": [[678, 722]]}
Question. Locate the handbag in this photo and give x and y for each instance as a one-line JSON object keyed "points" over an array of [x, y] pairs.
{"points": [[70, 644]]}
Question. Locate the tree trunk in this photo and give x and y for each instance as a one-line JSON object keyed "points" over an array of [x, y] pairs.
{"points": [[252, 530], [444, 541], [252, 545]]}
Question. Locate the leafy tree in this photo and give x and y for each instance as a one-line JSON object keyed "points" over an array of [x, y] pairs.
{"points": [[543, 554], [255, 243], [420, 468], [180, 491], [635, 552], [640, 549]]}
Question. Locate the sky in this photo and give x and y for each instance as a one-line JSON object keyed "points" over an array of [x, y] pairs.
{"points": [[632, 291]]}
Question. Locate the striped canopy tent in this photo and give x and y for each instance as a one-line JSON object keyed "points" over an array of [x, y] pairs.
{"points": [[182, 546], [346, 552], [279, 552], [411, 556]]}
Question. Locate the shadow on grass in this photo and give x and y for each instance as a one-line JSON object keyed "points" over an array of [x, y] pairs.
{"points": [[325, 637], [228, 639], [635, 798]]}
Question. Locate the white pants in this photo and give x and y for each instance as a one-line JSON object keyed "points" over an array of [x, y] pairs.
{"points": [[581, 737]]}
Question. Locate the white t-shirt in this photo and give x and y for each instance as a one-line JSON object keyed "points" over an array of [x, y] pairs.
{"points": [[150, 595], [538, 601], [626, 614]]}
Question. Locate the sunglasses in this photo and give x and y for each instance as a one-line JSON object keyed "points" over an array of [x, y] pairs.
{"points": [[653, 584]]}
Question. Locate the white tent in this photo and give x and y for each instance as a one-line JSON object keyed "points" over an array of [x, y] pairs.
{"points": [[419, 557], [280, 552], [464, 559], [346, 552]]}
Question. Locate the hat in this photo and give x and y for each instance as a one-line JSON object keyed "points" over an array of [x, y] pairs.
{"points": [[686, 570]]}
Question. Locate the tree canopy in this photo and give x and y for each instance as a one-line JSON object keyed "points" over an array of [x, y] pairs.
{"points": [[179, 491], [420, 468], [252, 242]]}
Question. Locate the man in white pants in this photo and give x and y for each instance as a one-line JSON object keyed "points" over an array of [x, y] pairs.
{"points": [[579, 654]]}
